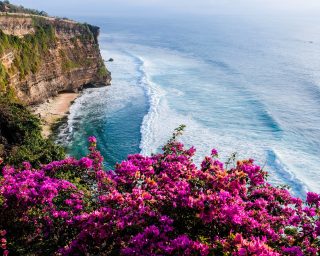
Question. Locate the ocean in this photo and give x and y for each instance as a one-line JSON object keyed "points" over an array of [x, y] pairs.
{"points": [[240, 84]]}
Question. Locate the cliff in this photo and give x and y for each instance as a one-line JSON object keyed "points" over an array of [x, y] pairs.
{"points": [[42, 56]]}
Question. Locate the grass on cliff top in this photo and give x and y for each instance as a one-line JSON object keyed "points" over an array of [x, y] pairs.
{"points": [[6, 6]]}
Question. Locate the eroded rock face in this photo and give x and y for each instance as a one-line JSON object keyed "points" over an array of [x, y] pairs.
{"points": [[18, 26], [71, 61]]}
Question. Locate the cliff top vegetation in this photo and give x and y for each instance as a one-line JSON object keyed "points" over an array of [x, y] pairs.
{"points": [[6, 6]]}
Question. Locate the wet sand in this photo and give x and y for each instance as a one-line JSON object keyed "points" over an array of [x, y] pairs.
{"points": [[54, 110]]}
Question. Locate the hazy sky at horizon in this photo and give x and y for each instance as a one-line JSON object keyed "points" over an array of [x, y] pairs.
{"points": [[179, 7]]}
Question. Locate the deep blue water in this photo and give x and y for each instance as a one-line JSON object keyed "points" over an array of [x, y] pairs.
{"points": [[240, 84]]}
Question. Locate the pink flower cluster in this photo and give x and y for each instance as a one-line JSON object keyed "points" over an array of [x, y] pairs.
{"points": [[4, 242], [158, 205]]}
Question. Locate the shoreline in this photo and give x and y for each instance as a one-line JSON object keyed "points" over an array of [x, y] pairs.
{"points": [[54, 110]]}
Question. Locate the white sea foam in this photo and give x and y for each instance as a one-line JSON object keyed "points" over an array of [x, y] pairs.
{"points": [[299, 169], [148, 127], [282, 174], [162, 119]]}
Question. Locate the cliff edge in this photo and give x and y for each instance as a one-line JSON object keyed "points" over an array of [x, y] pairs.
{"points": [[42, 56]]}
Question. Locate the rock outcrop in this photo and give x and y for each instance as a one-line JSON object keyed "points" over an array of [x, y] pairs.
{"points": [[42, 56]]}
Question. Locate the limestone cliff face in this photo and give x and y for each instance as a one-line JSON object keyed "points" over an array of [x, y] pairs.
{"points": [[42, 56]]}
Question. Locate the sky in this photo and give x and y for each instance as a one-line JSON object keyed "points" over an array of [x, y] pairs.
{"points": [[173, 7]]}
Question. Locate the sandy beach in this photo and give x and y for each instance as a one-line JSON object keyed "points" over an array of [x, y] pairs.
{"points": [[54, 110]]}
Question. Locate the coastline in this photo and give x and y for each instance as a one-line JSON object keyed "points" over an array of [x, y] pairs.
{"points": [[54, 110]]}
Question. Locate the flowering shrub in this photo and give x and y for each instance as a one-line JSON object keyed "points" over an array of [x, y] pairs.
{"points": [[158, 205]]}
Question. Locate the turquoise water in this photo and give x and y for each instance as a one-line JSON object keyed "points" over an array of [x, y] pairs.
{"points": [[239, 84]]}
